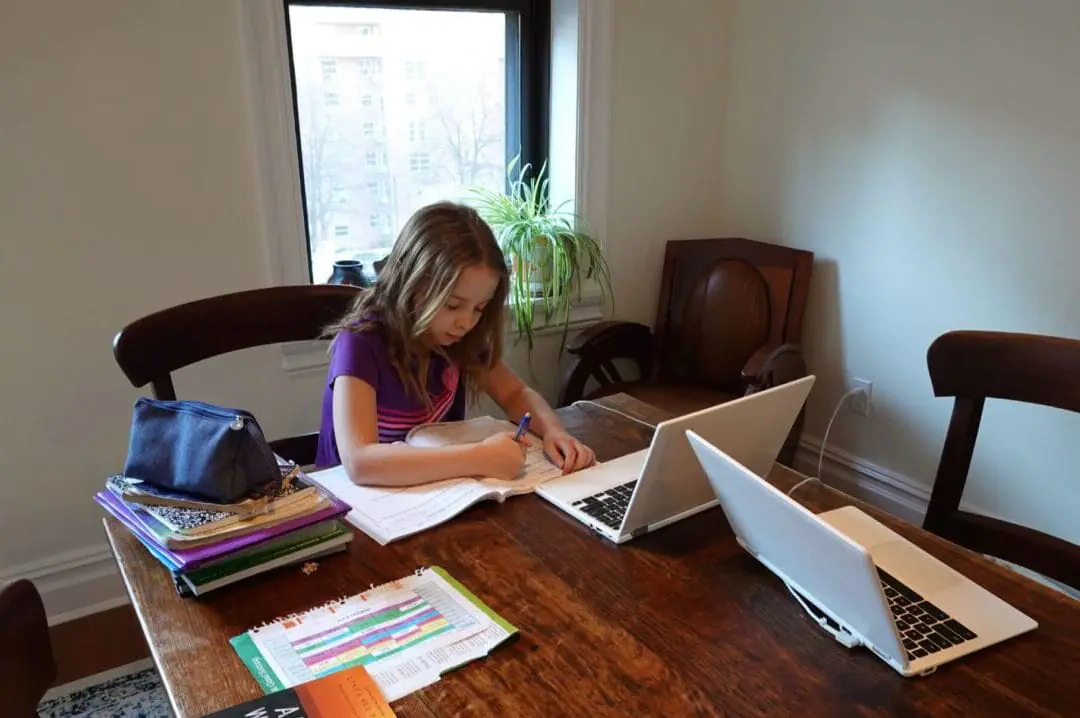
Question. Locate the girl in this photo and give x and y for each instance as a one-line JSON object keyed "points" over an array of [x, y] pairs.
{"points": [[409, 351]]}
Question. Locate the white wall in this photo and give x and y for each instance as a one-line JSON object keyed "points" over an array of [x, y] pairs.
{"points": [[127, 184], [928, 153], [667, 113]]}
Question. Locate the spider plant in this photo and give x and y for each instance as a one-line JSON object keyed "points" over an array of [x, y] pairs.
{"points": [[548, 250]]}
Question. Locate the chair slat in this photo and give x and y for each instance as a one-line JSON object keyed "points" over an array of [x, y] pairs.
{"points": [[149, 349], [973, 366]]}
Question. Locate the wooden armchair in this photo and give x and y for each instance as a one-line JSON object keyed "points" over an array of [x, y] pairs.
{"points": [[972, 367], [149, 349], [728, 323]]}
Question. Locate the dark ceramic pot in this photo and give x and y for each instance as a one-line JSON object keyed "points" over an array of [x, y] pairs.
{"points": [[349, 271]]}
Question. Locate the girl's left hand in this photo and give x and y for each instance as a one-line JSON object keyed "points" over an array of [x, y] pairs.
{"points": [[566, 452]]}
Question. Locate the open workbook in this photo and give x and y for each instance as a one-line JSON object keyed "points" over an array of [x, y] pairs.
{"points": [[386, 514]]}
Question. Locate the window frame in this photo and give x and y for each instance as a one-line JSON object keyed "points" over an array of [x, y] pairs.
{"points": [[527, 76], [577, 133]]}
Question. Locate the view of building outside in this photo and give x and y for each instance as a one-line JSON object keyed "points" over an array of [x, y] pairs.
{"points": [[396, 109]]}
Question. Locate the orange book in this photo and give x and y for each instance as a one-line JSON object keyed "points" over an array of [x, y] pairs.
{"points": [[348, 693]]}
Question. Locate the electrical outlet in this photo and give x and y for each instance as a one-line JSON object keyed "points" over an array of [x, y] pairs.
{"points": [[860, 402]]}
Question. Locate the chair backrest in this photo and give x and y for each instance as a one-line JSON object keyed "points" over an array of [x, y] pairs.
{"points": [[29, 665], [972, 367], [723, 299], [149, 349]]}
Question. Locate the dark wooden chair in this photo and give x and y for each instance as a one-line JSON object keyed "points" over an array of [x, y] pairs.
{"points": [[728, 323], [149, 349], [29, 664], [972, 367]]}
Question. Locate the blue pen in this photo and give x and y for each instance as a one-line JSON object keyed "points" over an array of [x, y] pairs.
{"points": [[523, 426]]}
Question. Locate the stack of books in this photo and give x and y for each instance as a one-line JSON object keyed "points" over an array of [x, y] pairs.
{"points": [[207, 545]]}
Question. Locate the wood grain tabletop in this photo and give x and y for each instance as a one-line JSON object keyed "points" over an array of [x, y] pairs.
{"points": [[680, 622]]}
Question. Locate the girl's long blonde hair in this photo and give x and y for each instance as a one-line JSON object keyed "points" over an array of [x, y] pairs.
{"points": [[436, 244]]}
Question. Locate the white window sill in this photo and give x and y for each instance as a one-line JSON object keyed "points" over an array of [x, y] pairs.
{"points": [[303, 358], [587, 310]]}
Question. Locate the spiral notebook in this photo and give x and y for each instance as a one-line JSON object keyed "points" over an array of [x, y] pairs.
{"points": [[405, 633]]}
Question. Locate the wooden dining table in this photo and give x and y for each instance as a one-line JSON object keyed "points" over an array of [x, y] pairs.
{"points": [[679, 622]]}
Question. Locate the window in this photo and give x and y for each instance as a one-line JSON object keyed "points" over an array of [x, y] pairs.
{"points": [[377, 190], [329, 68], [464, 81], [351, 29], [370, 65], [341, 230], [419, 162]]}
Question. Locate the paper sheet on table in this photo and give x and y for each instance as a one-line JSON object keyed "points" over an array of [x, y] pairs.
{"points": [[405, 634]]}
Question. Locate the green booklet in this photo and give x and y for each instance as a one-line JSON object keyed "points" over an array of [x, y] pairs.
{"points": [[309, 543], [406, 634], [261, 553]]}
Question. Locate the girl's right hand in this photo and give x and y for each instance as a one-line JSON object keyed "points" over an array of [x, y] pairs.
{"points": [[501, 457]]}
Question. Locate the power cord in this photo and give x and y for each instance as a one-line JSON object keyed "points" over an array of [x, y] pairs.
{"points": [[825, 440], [623, 414], [831, 627]]}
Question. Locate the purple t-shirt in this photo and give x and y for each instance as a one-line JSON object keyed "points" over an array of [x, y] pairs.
{"points": [[364, 355]]}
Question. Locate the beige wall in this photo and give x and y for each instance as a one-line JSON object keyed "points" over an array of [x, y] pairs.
{"points": [[928, 153], [127, 184], [667, 114]]}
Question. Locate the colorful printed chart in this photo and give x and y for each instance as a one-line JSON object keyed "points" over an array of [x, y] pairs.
{"points": [[405, 634]]}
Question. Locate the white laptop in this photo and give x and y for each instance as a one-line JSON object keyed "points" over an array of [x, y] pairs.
{"points": [[860, 580], [654, 487]]}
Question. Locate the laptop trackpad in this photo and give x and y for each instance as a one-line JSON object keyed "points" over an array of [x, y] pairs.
{"points": [[892, 552], [860, 527], [918, 569]]}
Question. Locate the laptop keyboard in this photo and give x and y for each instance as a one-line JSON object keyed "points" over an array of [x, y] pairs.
{"points": [[608, 506], [924, 627]]}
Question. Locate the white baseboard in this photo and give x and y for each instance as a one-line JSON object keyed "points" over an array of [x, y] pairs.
{"points": [[889, 491], [886, 489], [74, 583], [876, 485]]}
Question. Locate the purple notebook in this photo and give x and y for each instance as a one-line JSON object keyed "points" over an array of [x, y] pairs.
{"points": [[191, 557]]}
